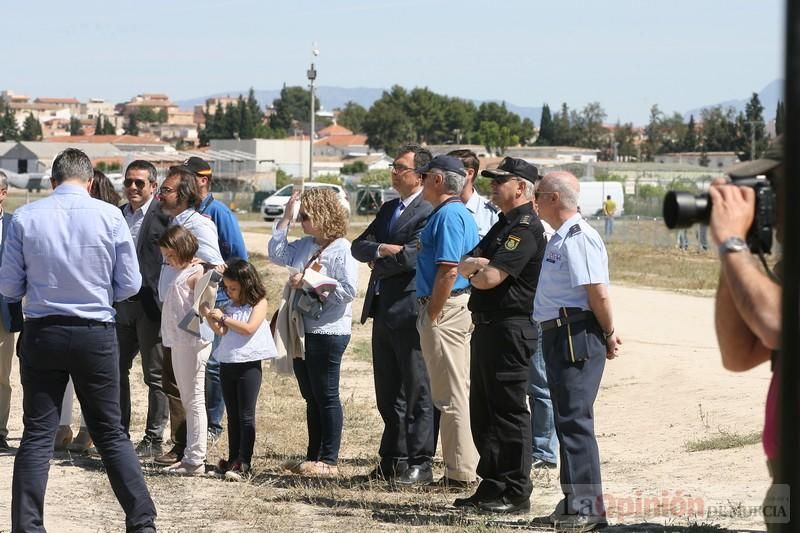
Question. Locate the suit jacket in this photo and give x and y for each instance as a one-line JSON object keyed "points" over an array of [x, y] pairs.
{"points": [[397, 273], [147, 251], [10, 312]]}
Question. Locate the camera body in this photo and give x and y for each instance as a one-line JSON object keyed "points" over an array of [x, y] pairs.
{"points": [[683, 209]]}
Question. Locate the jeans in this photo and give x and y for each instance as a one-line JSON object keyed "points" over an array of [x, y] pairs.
{"points": [[543, 426], [318, 379], [609, 229], [90, 354], [240, 385]]}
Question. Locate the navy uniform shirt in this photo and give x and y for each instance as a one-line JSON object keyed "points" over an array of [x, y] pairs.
{"points": [[515, 245], [575, 256]]}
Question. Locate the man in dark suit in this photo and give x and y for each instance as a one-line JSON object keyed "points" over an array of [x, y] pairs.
{"points": [[139, 317], [10, 322], [402, 386]]}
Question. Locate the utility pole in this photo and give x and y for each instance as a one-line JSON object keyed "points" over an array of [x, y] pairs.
{"points": [[312, 75]]}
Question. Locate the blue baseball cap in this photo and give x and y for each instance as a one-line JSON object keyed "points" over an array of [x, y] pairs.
{"points": [[444, 162]]}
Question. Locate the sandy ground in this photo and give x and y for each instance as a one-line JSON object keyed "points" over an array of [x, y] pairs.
{"points": [[667, 388]]}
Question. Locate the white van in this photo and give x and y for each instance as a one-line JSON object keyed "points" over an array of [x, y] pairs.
{"points": [[273, 206], [593, 194]]}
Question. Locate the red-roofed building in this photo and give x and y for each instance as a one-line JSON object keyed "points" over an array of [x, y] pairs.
{"points": [[333, 130]]}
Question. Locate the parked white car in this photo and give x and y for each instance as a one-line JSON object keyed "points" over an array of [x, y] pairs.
{"points": [[273, 206]]}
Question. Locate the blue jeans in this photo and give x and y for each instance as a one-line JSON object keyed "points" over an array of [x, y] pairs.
{"points": [[51, 353], [215, 405], [542, 423], [318, 379], [609, 229]]}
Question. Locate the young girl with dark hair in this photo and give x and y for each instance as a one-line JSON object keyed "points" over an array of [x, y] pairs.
{"points": [[245, 342]]}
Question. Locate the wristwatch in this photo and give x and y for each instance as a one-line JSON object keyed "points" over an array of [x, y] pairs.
{"points": [[732, 244]]}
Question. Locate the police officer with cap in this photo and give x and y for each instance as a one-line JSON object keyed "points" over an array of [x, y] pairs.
{"points": [[504, 270], [573, 308]]}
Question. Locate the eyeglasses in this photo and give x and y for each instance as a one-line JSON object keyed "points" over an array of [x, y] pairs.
{"points": [[165, 190], [304, 217], [127, 182], [503, 179], [397, 168], [539, 193]]}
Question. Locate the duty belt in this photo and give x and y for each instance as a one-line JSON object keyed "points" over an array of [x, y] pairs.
{"points": [[570, 315], [422, 300], [487, 317]]}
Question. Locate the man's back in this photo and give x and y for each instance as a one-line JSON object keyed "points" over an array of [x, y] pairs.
{"points": [[70, 255]]}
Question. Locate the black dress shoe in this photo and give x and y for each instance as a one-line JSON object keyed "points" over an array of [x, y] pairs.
{"points": [[469, 503], [567, 523], [504, 505], [415, 475], [4, 447], [388, 473]]}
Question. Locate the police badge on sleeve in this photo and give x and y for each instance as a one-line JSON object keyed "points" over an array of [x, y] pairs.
{"points": [[511, 243]]}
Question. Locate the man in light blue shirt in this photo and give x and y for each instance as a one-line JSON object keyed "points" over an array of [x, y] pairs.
{"points": [[482, 210], [71, 256], [573, 308]]}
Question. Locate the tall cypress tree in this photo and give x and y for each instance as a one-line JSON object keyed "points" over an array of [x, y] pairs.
{"points": [[546, 128], [780, 118], [689, 143]]}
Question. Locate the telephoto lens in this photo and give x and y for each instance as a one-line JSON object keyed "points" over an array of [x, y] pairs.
{"points": [[683, 209]]}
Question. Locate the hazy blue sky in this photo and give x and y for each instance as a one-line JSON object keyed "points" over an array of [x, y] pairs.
{"points": [[626, 54]]}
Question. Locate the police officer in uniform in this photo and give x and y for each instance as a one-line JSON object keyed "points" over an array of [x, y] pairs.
{"points": [[503, 271], [573, 308]]}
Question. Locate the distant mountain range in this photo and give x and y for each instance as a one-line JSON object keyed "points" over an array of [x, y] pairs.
{"points": [[769, 97], [333, 97]]}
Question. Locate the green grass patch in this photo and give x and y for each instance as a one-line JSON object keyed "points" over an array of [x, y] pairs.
{"points": [[362, 350], [723, 440]]}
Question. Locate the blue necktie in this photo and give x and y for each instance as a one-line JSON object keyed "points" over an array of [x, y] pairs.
{"points": [[397, 212]]}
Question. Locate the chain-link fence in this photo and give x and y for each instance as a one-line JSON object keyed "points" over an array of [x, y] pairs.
{"points": [[651, 231]]}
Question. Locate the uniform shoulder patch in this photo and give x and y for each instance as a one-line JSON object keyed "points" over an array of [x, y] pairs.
{"points": [[574, 230], [525, 220], [512, 242], [491, 207]]}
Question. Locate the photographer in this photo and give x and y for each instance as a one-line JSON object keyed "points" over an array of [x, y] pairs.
{"points": [[748, 302]]}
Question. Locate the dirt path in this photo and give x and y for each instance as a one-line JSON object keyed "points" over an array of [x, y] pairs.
{"points": [[666, 389]]}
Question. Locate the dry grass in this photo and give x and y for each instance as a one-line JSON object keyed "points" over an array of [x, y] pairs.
{"points": [[665, 268], [723, 440]]}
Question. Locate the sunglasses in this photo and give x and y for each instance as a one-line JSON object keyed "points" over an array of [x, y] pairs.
{"points": [[127, 182], [165, 190], [503, 179]]}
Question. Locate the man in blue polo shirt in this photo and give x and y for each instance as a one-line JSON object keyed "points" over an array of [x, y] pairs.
{"points": [[444, 322]]}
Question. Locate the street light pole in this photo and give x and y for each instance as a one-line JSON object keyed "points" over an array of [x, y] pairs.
{"points": [[312, 75]]}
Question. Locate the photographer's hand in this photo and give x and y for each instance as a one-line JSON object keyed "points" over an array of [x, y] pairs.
{"points": [[732, 212]]}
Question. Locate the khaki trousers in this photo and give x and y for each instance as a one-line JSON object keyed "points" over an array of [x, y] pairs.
{"points": [[6, 358], [445, 349]]}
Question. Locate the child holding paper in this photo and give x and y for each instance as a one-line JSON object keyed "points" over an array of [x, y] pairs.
{"points": [[327, 316], [189, 352]]}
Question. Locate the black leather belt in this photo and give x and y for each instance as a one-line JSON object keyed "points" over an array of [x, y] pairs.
{"points": [[64, 320], [487, 317], [458, 292], [570, 316]]}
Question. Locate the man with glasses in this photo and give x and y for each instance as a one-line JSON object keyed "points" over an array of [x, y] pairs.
{"points": [[481, 209], [10, 322], [231, 244], [573, 308], [402, 386], [139, 317], [444, 321], [504, 271], [179, 198]]}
